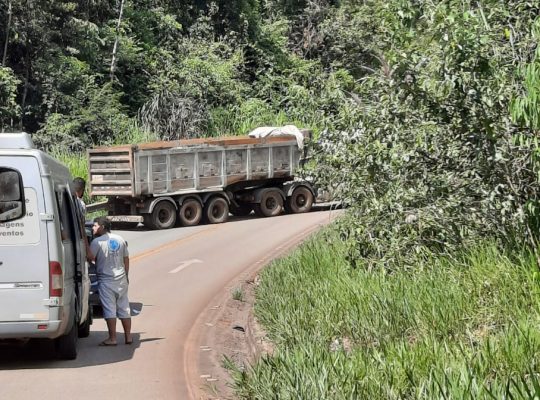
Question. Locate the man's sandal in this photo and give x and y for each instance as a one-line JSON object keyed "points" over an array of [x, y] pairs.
{"points": [[105, 343]]}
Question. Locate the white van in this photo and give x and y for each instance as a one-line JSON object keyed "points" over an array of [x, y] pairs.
{"points": [[44, 283]]}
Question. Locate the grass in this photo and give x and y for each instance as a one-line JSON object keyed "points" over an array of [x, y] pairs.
{"points": [[238, 294], [460, 328], [78, 162]]}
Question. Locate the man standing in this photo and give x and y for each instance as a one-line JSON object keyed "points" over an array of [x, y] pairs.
{"points": [[79, 184], [111, 256]]}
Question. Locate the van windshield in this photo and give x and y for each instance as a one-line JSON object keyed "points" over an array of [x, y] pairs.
{"points": [[25, 230]]}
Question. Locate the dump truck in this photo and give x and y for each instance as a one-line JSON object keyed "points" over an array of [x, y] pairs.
{"points": [[163, 184]]}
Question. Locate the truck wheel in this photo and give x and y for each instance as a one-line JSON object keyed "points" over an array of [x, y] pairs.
{"points": [[190, 213], [84, 329], [300, 201], [147, 221], [271, 204], [163, 216], [242, 210], [216, 211], [66, 345]]}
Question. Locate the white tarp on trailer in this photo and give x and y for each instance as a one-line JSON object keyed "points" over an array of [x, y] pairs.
{"points": [[265, 131]]}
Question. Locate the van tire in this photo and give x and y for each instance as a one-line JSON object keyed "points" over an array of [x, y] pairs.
{"points": [[163, 216], [66, 345], [216, 210], [84, 329]]}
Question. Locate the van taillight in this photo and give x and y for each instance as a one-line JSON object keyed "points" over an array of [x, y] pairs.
{"points": [[55, 279]]}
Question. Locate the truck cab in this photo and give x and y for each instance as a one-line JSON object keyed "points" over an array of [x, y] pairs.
{"points": [[44, 283]]}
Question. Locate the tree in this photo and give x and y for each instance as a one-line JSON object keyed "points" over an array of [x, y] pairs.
{"points": [[434, 161], [9, 109]]}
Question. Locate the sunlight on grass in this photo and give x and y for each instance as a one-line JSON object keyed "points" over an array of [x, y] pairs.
{"points": [[465, 328]]}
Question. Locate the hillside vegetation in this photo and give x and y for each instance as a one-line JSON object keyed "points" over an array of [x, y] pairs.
{"points": [[428, 112], [427, 118]]}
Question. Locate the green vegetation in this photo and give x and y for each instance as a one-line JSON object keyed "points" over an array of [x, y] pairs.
{"points": [[464, 327], [426, 116], [238, 294], [443, 151], [80, 74]]}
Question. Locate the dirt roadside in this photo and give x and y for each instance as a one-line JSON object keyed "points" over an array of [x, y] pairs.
{"points": [[228, 328]]}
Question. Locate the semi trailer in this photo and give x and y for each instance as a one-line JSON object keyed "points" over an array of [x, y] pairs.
{"points": [[163, 184]]}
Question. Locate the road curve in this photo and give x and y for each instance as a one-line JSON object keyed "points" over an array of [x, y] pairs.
{"points": [[174, 275]]}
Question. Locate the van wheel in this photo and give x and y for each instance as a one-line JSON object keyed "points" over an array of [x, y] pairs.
{"points": [[163, 216], [216, 211], [190, 213], [84, 329], [300, 201], [271, 204], [66, 345]]}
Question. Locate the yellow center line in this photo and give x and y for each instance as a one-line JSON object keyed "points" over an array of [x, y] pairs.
{"points": [[168, 245]]}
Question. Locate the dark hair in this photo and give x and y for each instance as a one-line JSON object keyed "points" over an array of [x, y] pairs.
{"points": [[104, 222], [79, 184]]}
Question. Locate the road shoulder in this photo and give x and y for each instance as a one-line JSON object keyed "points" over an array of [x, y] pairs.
{"points": [[226, 329]]}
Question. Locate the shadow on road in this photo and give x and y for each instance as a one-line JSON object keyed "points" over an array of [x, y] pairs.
{"points": [[135, 310], [40, 353], [133, 226]]}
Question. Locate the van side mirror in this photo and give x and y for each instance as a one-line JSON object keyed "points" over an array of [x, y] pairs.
{"points": [[12, 200]]}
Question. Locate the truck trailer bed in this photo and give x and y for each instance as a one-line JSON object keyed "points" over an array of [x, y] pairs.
{"points": [[187, 166]]}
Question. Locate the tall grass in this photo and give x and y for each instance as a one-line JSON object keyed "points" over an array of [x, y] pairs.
{"points": [[460, 328], [78, 162], [252, 113]]}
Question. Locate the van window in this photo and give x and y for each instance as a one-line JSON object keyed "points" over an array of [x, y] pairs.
{"points": [[24, 231]]}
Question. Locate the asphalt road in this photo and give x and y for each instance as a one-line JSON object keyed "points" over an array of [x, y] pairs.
{"points": [[174, 276]]}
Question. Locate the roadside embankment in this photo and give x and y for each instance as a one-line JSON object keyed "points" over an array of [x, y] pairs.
{"points": [[460, 327]]}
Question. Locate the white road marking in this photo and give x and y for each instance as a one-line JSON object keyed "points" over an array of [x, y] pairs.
{"points": [[184, 265]]}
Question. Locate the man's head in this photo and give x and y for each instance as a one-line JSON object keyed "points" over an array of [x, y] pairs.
{"points": [[78, 185], [101, 226]]}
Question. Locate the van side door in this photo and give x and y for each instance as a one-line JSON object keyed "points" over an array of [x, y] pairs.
{"points": [[75, 266]]}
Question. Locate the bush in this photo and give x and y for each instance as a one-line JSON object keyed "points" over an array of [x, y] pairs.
{"points": [[434, 160], [8, 91]]}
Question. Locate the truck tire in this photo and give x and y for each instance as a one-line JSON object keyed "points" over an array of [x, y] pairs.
{"points": [[242, 210], [216, 210], [84, 329], [147, 221], [271, 204], [66, 345], [190, 213], [163, 216], [300, 201]]}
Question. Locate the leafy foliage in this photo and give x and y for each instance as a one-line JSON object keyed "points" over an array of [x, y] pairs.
{"points": [[9, 108], [526, 108], [435, 161], [430, 109]]}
